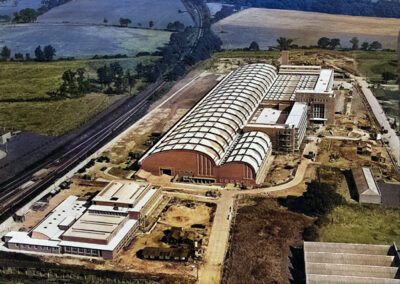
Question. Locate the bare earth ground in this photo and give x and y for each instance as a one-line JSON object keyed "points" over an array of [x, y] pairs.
{"points": [[163, 118], [261, 240], [266, 25]]}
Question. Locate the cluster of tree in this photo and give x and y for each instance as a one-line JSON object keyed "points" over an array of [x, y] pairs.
{"points": [[325, 42], [27, 15], [74, 85], [124, 22], [47, 54], [176, 26], [379, 8], [115, 81], [225, 11], [318, 200]]}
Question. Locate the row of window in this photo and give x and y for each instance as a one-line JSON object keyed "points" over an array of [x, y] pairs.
{"points": [[43, 248], [87, 251]]}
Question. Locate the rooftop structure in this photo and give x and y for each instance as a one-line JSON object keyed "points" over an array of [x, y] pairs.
{"points": [[367, 188], [65, 213], [121, 193], [350, 263]]}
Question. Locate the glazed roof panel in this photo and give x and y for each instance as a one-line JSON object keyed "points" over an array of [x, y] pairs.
{"points": [[213, 124]]}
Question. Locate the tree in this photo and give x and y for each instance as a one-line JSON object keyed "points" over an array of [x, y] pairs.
{"points": [[124, 22], [284, 43], [151, 24], [364, 45], [5, 53], [49, 52], [355, 42], [105, 21], [19, 56], [39, 55], [334, 43], [131, 81], [375, 45], [388, 76], [27, 56], [254, 46], [25, 16], [324, 42]]}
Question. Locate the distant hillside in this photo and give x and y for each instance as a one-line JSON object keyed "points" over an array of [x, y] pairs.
{"points": [[370, 8], [305, 28]]}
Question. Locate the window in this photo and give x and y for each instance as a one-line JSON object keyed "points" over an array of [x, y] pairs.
{"points": [[68, 249], [81, 250]]}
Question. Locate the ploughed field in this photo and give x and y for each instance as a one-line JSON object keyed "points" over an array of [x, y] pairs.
{"points": [[140, 12], [81, 41], [305, 28]]}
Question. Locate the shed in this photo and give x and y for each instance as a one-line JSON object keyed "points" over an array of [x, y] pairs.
{"points": [[367, 188]]}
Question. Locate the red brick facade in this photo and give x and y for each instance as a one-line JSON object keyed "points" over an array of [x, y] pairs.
{"points": [[194, 164]]}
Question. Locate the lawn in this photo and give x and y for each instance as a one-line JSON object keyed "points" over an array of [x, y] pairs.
{"points": [[32, 80], [53, 117], [372, 64]]}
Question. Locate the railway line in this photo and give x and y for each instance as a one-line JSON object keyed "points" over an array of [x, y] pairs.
{"points": [[18, 191]]}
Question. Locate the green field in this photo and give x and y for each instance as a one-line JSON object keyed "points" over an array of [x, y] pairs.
{"points": [[53, 117], [25, 105], [372, 64], [32, 80], [354, 223]]}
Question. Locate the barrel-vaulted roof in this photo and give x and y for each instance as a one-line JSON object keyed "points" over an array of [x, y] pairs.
{"points": [[212, 126], [252, 148]]}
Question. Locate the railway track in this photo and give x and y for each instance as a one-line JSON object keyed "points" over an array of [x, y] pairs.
{"points": [[14, 194]]}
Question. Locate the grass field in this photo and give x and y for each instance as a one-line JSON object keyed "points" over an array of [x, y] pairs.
{"points": [[368, 224], [373, 64], [81, 41], [54, 117], [266, 25], [141, 12], [32, 80]]}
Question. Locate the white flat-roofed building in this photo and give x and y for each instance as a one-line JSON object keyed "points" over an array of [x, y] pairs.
{"points": [[285, 125], [66, 212], [97, 230]]}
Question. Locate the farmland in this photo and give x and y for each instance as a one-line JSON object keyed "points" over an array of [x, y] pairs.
{"points": [[92, 40], [141, 12], [305, 28]]}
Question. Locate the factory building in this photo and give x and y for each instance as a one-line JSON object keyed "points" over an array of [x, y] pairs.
{"points": [[97, 229], [255, 110]]}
